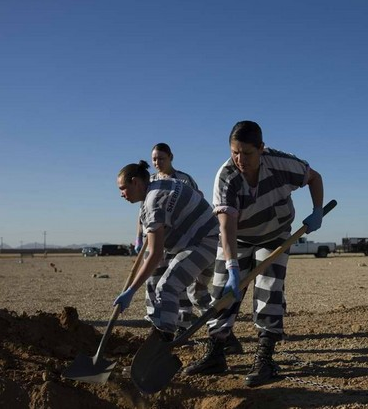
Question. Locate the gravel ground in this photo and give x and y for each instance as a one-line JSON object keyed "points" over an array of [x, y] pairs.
{"points": [[324, 359]]}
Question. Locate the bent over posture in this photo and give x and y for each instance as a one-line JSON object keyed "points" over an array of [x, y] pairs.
{"points": [[197, 294], [179, 225], [252, 199]]}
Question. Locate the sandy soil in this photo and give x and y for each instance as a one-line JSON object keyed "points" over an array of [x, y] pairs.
{"points": [[53, 308]]}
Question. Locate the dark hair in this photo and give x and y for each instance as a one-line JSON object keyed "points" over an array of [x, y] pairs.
{"points": [[163, 147], [135, 170], [247, 132]]}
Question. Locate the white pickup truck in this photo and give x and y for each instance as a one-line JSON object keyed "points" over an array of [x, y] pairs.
{"points": [[320, 250]]}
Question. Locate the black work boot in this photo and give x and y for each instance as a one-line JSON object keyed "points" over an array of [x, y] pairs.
{"points": [[180, 331], [264, 367], [233, 345], [213, 361], [165, 336]]}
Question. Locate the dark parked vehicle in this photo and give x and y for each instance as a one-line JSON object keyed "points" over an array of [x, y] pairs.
{"points": [[114, 250], [355, 245], [90, 251]]}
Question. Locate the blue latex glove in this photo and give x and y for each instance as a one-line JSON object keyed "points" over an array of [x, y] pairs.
{"points": [[138, 244], [314, 221], [233, 282], [124, 299]]}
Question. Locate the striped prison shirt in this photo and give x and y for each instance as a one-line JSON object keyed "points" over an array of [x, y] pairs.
{"points": [[186, 215], [264, 212], [178, 174]]}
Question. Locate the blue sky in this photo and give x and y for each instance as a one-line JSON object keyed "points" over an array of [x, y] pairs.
{"points": [[87, 87]]}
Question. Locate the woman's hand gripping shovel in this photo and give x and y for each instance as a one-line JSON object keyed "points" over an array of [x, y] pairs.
{"points": [[96, 369], [154, 365]]}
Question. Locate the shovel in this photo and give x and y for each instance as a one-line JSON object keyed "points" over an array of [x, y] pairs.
{"points": [[154, 365], [96, 369]]}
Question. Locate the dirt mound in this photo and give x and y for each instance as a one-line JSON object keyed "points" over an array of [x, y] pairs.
{"points": [[58, 336], [324, 365], [35, 351]]}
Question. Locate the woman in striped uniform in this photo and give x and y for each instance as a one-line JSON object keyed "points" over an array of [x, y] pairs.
{"points": [[181, 227], [197, 293], [252, 199], [162, 158]]}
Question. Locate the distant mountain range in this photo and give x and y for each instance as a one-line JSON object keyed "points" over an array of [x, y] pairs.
{"points": [[53, 246]]}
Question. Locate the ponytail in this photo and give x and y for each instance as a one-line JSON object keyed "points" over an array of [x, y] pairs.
{"points": [[134, 170]]}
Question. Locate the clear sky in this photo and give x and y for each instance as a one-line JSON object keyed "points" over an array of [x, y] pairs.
{"points": [[89, 86]]}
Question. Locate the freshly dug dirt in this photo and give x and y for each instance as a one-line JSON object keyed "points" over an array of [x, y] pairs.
{"points": [[53, 308]]}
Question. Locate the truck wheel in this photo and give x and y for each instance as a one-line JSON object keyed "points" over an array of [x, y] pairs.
{"points": [[322, 253]]}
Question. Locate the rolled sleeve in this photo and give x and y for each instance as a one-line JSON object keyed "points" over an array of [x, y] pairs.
{"points": [[231, 211]]}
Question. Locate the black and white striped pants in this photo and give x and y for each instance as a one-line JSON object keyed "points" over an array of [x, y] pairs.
{"points": [[269, 304], [166, 289]]}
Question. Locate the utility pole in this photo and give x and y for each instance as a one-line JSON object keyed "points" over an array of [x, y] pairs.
{"points": [[1, 249], [44, 240]]}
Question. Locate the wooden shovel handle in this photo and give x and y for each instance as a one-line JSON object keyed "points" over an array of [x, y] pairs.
{"points": [[116, 310], [131, 276], [226, 300], [136, 265]]}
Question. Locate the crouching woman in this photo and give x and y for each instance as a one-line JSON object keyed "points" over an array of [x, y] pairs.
{"points": [[179, 224]]}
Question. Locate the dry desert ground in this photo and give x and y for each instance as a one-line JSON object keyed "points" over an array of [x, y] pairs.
{"points": [[52, 308]]}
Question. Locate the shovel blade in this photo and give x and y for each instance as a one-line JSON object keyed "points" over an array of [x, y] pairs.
{"points": [[154, 365], [89, 369]]}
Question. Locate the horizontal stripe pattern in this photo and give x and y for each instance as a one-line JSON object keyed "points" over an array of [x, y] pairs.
{"points": [[268, 289], [178, 174], [261, 218], [197, 293], [186, 215], [165, 288]]}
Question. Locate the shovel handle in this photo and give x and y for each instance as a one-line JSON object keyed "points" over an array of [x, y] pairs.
{"points": [[136, 265], [224, 301], [117, 310]]}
